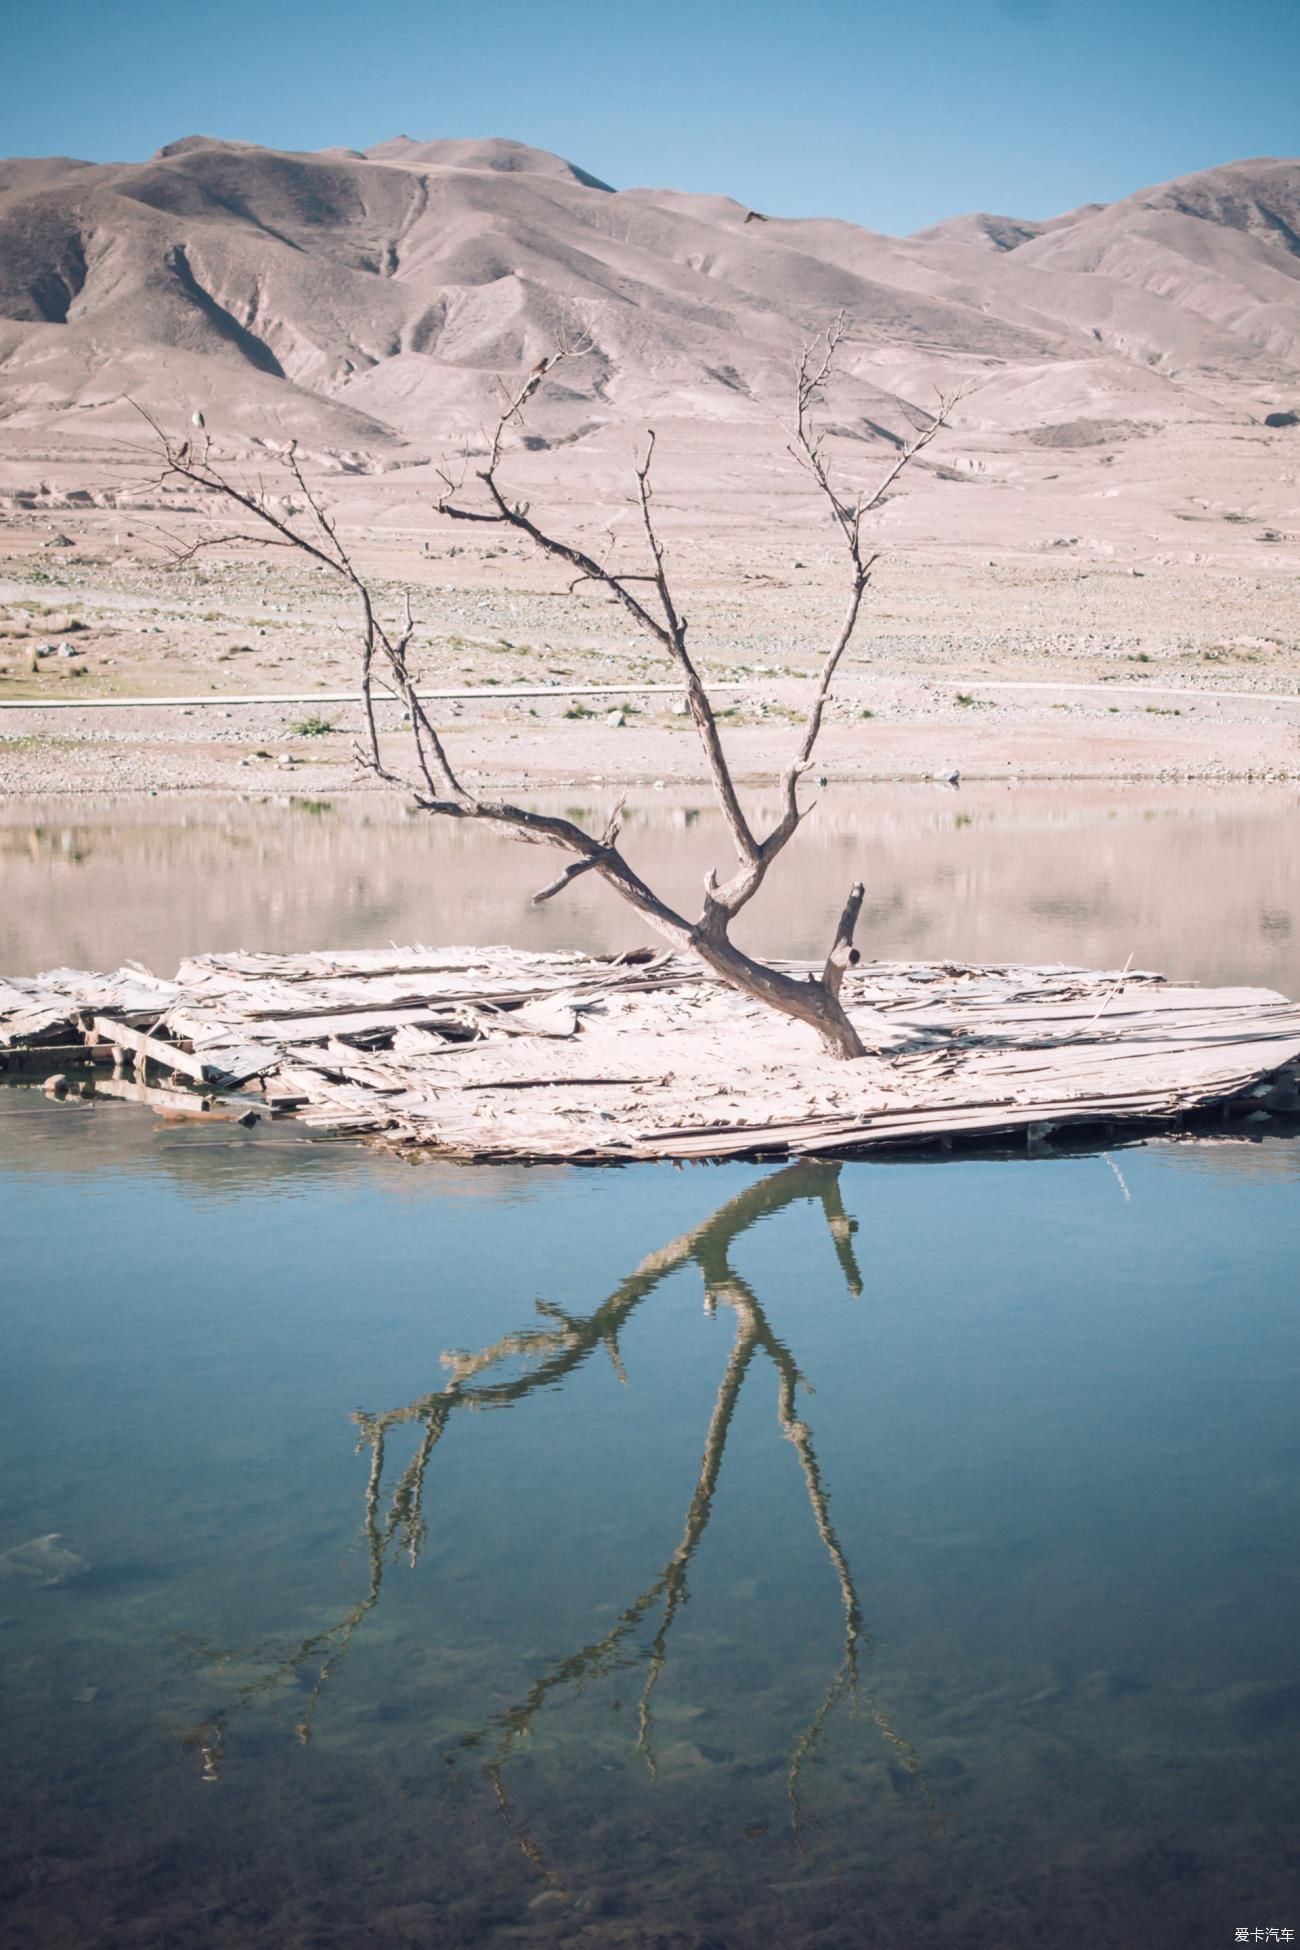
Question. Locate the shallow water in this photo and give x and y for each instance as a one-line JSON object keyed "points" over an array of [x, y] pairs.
{"points": [[874, 1554], [840, 1555]]}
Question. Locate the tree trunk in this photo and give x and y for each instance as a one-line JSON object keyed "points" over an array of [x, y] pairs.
{"points": [[807, 999]]}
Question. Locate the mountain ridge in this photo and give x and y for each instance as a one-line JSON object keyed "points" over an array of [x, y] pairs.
{"points": [[377, 299]]}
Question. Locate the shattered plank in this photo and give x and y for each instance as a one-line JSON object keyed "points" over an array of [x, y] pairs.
{"points": [[28, 1027], [497, 1054], [168, 1056]]}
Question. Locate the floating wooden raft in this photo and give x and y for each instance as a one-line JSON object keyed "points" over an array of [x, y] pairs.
{"points": [[495, 1054]]}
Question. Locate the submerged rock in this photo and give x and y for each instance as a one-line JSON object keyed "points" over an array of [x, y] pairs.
{"points": [[1261, 1705], [43, 1560]]}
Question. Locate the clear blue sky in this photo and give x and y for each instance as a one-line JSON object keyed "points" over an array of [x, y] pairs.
{"points": [[890, 115]]}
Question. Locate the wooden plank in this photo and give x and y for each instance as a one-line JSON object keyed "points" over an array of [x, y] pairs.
{"points": [[554, 1083], [35, 1025], [233, 1065], [977, 1051], [308, 1028], [168, 1056]]}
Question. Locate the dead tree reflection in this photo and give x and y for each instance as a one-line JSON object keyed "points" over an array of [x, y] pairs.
{"points": [[552, 1350]]}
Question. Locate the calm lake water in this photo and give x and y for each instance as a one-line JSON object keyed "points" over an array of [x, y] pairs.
{"points": [[1198, 882], [873, 1554]]}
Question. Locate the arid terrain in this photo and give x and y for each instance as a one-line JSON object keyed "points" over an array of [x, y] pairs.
{"points": [[1092, 573]]}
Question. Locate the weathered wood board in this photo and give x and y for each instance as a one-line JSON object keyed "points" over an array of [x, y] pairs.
{"points": [[495, 1054]]}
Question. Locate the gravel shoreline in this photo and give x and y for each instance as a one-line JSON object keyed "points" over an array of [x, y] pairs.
{"points": [[997, 668]]}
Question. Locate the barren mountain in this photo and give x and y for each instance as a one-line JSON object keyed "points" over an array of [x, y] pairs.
{"points": [[370, 306], [369, 301]]}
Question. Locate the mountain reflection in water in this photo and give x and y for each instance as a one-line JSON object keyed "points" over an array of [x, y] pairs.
{"points": [[1200, 881]]}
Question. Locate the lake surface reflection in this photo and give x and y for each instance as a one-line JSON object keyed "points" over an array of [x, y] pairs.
{"points": [[820, 1555], [1203, 883]]}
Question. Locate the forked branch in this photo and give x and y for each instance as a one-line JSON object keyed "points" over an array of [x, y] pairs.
{"points": [[647, 597]]}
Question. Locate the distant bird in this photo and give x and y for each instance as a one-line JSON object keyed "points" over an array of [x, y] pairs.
{"points": [[950, 776], [183, 453], [539, 368], [755, 216], [197, 419]]}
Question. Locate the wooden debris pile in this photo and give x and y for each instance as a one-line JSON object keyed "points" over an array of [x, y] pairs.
{"points": [[496, 1054]]}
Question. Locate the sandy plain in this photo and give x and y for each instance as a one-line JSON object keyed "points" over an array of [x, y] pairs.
{"points": [[1092, 574], [994, 664]]}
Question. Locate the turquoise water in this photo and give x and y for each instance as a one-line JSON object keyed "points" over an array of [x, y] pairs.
{"points": [[874, 1554]]}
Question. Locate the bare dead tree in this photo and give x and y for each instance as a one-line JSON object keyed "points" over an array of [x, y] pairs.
{"points": [[648, 599]]}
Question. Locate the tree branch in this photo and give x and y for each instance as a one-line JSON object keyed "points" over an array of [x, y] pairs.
{"points": [[432, 780], [578, 867], [668, 628], [843, 954]]}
